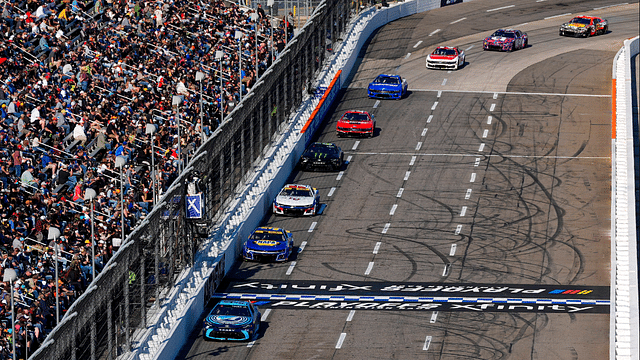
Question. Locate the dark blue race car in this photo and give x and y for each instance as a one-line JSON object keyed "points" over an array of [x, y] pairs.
{"points": [[268, 244], [234, 320], [387, 87]]}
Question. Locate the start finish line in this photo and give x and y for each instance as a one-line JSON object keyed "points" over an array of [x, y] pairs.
{"points": [[337, 302]]}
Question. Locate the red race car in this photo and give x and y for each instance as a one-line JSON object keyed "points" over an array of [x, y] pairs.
{"points": [[356, 122], [585, 26]]}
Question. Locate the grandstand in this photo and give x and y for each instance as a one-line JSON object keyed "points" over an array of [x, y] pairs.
{"points": [[80, 83]]}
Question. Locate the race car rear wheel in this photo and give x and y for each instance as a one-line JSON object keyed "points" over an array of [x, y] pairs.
{"points": [[526, 42]]}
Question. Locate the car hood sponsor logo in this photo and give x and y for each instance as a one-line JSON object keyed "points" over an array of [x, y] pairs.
{"points": [[228, 320], [576, 25], [442, 57], [293, 201], [266, 242], [500, 39]]}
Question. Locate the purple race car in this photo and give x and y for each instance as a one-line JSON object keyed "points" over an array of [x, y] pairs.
{"points": [[506, 40]]}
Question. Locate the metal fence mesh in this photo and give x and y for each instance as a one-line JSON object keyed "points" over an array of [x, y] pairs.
{"points": [[100, 324]]}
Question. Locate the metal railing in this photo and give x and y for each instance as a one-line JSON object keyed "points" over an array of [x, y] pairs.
{"points": [[100, 324]]}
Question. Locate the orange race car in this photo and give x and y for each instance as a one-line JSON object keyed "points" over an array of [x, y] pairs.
{"points": [[584, 26]]}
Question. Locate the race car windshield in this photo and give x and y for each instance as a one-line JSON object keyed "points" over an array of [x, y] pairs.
{"points": [[387, 80], [445, 52], [355, 118], [504, 34], [266, 236], [582, 21], [232, 310], [319, 149], [296, 192]]}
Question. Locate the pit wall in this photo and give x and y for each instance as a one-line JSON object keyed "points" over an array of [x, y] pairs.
{"points": [[169, 327], [624, 333]]}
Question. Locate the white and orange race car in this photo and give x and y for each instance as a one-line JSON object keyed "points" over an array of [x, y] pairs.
{"points": [[584, 26]]}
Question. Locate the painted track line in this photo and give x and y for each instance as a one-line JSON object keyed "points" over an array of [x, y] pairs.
{"points": [[557, 16], [457, 21], [418, 299], [414, 155], [501, 8]]}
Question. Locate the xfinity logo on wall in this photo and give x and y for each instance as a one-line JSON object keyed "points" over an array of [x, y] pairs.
{"points": [[449, 2]]}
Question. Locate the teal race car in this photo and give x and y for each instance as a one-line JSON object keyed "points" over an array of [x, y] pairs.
{"points": [[232, 320]]}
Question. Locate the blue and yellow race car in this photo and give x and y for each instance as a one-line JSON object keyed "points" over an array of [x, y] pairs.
{"points": [[234, 320], [268, 244], [388, 87]]}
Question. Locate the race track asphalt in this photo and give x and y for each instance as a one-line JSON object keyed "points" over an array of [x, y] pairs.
{"points": [[492, 182]]}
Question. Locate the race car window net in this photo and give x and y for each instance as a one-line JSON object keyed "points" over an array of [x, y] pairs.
{"points": [[295, 192], [580, 21], [266, 236], [446, 52], [355, 118], [387, 80], [504, 34], [232, 310]]}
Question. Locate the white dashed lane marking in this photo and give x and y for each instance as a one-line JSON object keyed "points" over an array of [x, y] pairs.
{"points": [[290, 269], [386, 228], [424, 131], [413, 160], [417, 44], [313, 226], [406, 175], [265, 314], [439, 93], [377, 247], [473, 177], [444, 82], [495, 96], [457, 21], [400, 192], [302, 246], [434, 32], [468, 194], [393, 209], [477, 162], [556, 16], [376, 104], [340, 174], [434, 105], [331, 191], [463, 211], [493, 107], [407, 56], [350, 316], [349, 158], [341, 340], [485, 133], [427, 342], [434, 317], [429, 118], [418, 146], [469, 48], [355, 145], [458, 229], [453, 249], [489, 119], [501, 8], [369, 268], [447, 267], [481, 147]]}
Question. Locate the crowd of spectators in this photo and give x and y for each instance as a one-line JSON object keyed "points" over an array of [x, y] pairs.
{"points": [[80, 81]]}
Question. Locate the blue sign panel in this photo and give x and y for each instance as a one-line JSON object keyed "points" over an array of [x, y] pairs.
{"points": [[194, 206]]}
